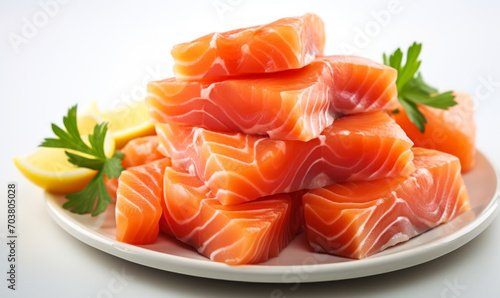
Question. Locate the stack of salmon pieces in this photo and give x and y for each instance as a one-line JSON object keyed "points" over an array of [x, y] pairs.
{"points": [[261, 137]]}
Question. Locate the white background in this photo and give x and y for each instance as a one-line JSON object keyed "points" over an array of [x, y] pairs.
{"points": [[93, 51]]}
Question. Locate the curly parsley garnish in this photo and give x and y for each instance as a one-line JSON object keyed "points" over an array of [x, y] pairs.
{"points": [[412, 89], [94, 198]]}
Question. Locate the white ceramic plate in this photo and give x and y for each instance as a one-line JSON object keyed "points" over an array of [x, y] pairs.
{"points": [[297, 263]]}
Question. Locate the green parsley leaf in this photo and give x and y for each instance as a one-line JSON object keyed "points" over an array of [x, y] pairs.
{"points": [[419, 81], [94, 198], [81, 202], [414, 114], [412, 90]]}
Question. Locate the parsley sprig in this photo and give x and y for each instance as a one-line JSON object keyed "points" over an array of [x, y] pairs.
{"points": [[94, 198], [412, 89]]}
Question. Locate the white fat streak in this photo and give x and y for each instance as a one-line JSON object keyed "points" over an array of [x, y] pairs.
{"points": [[137, 193], [216, 61], [222, 250], [397, 200], [359, 101], [180, 153], [205, 92], [381, 155], [152, 182], [245, 50], [163, 141], [123, 203], [384, 105], [203, 246], [320, 180], [220, 175], [297, 52], [205, 117], [246, 125], [223, 112], [317, 248], [199, 229], [276, 50], [311, 163], [162, 85], [299, 124], [344, 133], [331, 223], [175, 206], [192, 44], [307, 58], [359, 231], [156, 107], [432, 207], [398, 237], [365, 103], [224, 194], [280, 145], [263, 65], [162, 111], [326, 221], [293, 171], [274, 127], [324, 116], [457, 179], [444, 187], [257, 247]]}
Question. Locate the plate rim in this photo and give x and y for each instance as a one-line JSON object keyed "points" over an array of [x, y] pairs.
{"points": [[270, 273]]}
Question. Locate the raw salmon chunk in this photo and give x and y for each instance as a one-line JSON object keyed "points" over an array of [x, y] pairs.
{"points": [[238, 167], [141, 151], [358, 219], [452, 131], [137, 152], [138, 203], [240, 234], [284, 44], [291, 105]]}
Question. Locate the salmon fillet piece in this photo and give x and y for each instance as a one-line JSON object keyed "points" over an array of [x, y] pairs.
{"points": [[359, 219], [238, 167], [291, 105], [240, 234], [138, 203], [284, 44], [452, 131], [141, 151], [137, 152]]}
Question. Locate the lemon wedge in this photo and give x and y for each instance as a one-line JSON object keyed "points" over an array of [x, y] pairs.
{"points": [[50, 169], [128, 122], [87, 120]]}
